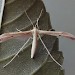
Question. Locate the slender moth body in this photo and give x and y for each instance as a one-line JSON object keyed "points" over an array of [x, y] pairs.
{"points": [[34, 43]]}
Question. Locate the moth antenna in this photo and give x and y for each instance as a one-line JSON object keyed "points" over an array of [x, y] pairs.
{"points": [[39, 18], [49, 52], [29, 18], [17, 53]]}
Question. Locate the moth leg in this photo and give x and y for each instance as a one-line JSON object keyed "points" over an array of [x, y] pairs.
{"points": [[17, 53], [49, 52]]}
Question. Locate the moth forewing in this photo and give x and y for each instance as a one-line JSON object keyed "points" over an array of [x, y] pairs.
{"points": [[6, 36], [34, 43], [58, 33]]}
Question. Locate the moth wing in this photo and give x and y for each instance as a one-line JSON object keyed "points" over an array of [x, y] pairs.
{"points": [[23, 37], [58, 33], [17, 35]]}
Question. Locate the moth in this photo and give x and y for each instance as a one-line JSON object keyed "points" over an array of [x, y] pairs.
{"points": [[35, 33]]}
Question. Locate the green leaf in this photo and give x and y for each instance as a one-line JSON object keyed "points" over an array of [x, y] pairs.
{"points": [[15, 17]]}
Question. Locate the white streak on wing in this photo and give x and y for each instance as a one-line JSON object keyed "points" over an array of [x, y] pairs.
{"points": [[1, 12]]}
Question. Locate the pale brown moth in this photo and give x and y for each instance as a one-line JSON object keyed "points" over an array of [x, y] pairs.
{"points": [[35, 32]]}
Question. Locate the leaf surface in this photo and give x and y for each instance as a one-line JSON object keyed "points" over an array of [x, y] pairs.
{"points": [[15, 17]]}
